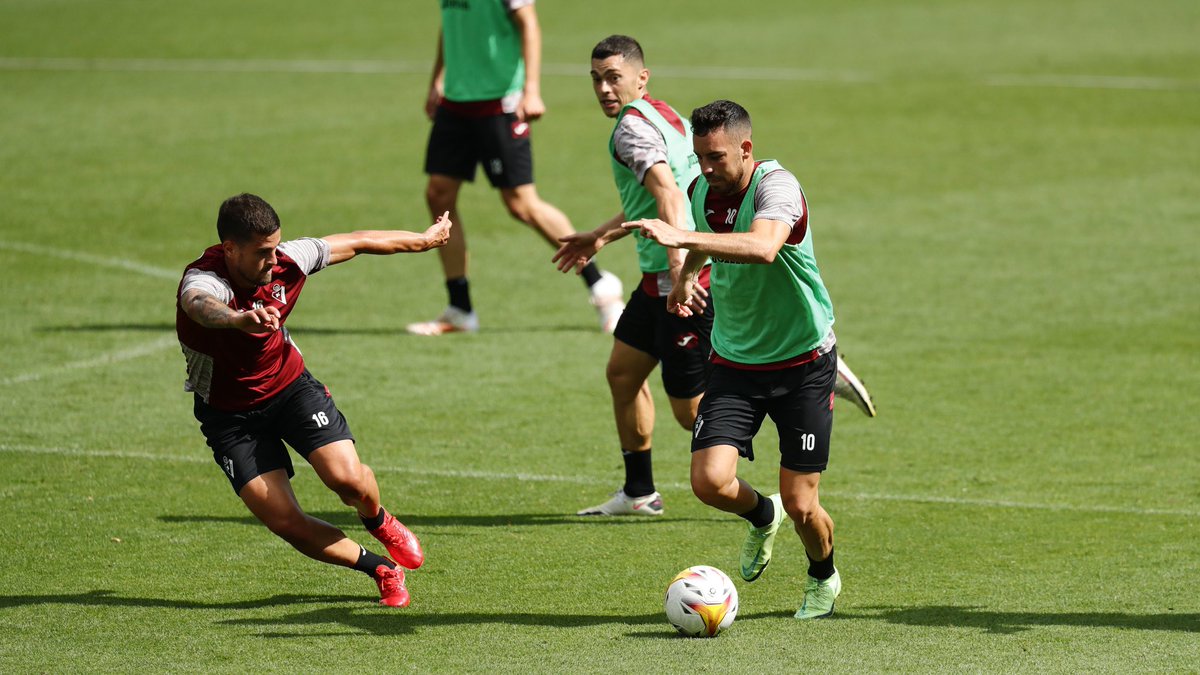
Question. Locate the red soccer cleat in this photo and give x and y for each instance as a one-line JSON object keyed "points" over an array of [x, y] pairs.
{"points": [[401, 543], [392, 591]]}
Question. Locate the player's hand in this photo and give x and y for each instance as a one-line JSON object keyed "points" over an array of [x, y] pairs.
{"points": [[439, 233], [434, 99], [531, 107], [576, 252], [257, 321], [687, 298], [656, 230]]}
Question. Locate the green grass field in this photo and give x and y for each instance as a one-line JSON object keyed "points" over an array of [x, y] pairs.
{"points": [[1004, 199]]}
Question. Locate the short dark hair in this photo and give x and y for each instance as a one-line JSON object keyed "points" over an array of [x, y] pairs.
{"points": [[621, 45], [245, 216], [718, 114]]}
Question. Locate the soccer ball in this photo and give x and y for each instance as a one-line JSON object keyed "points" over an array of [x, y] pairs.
{"points": [[701, 601]]}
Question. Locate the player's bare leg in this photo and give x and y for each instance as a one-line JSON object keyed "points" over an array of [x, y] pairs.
{"points": [[270, 498], [524, 204], [685, 410], [627, 372], [633, 409], [340, 469], [715, 481], [799, 492], [441, 195]]}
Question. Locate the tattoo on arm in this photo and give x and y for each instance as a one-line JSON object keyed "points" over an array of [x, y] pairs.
{"points": [[206, 310]]}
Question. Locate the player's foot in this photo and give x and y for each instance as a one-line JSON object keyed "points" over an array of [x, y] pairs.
{"points": [[401, 544], [756, 551], [849, 387], [819, 597], [392, 591], [453, 320], [608, 297], [622, 504]]}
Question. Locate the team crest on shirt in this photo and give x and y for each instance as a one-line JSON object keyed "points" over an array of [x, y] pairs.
{"points": [[279, 293]]}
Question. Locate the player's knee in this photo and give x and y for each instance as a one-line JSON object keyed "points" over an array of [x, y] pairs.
{"points": [[623, 383], [291, 526], [802, 510], [521, 206], [707, 487], [440, 197], [349, 484]]}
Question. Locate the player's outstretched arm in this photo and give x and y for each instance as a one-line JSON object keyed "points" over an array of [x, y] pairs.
{"points": [[757, 246], [578, 249], [210, 312], [672, 209], [343, 247]]}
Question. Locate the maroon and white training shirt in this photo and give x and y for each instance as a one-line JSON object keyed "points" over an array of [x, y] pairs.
{"points": [[232, 370]]}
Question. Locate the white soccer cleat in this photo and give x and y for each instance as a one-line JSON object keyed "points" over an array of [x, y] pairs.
{"points": [[608, 297], [622, 504], [453, 320], [849, 387]]}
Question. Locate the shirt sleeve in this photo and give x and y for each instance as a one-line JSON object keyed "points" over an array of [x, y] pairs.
{"points": [[514, 5], [779, 198], [311, 254], [207, 282], [639, 145]]}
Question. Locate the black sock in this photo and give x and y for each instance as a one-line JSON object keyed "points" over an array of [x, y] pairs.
{"points": [[460, 293], [639, 474], [821, 569], [591, 274], [763, 512], [373, 523], [367, 562]]}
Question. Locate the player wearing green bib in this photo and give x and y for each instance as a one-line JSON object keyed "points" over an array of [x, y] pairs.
{"points": [[651, 153], [774, 348], [485, 91]]}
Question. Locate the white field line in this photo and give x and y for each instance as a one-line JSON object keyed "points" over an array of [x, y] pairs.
{"points": [[202, 458], [385, 67], [98, 260], [126, 354]]}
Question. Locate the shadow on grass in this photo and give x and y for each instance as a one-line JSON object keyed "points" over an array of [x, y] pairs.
{"points": [[300, 329], [1015, 622], [349, 521], [363, 617], [104, 598], [383, 621]]}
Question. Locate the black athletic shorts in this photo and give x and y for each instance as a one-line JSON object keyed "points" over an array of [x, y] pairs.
{"points": [[681, 345], [250, 443], [499, 142], [798, 399]]}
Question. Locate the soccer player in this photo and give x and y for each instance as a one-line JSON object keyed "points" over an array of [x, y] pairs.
{"points": [[252, 392], [652, 162], [485, 92], [773, 342]]}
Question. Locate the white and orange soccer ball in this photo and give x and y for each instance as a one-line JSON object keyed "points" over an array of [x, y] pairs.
{"points": [[701, 601]]}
